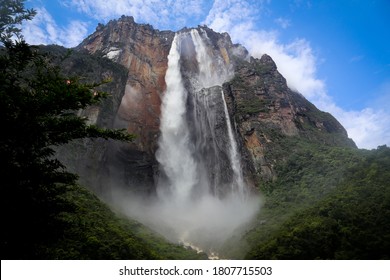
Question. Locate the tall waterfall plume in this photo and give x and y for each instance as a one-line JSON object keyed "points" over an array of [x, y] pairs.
{"points": [[174, 154], [200, 188]]}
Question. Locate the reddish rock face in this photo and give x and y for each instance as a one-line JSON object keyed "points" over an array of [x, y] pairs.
{"points": [[143, 51]]}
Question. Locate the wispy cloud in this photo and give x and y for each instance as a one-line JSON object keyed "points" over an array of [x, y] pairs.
{"points": [[283, 22], [43, 29], [230, 15], [161, 14], [297, 62], [368, 127]]}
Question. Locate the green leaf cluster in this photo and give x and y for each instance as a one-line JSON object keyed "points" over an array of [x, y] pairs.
{"points": [[12, 14]]}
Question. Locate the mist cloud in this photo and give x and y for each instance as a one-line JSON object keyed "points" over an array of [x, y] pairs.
{"points": [[206, 223]]}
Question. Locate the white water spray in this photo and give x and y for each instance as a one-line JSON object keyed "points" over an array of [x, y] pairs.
{"points": [[208, 74], [201, 188], [174, 154]]}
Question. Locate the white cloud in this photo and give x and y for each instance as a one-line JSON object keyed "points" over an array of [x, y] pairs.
{"points": [[228, 15], [161, 14], [372, 123], [283, 22], [368, 127], [43, 29], [296, 61]]}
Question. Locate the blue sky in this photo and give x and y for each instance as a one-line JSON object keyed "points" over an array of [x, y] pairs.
{"points": [[336, 53]]}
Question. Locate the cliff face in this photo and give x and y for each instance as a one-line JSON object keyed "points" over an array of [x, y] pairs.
{"points": [[263, 110], [85, 156], [267, 112], [143, 51]]}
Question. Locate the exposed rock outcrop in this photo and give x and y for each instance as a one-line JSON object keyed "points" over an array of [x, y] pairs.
{"points": [[143, 51], [265, 110]]}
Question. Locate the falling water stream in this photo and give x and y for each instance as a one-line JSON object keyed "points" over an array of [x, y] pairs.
{"points": [[201, 190], [238, 185], [174, 154], [209, 76]]}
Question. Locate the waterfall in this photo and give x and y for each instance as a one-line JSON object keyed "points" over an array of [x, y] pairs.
{"points": [[174, 154], [210, 76], [192, 163], [238, 184], [200, 183]]}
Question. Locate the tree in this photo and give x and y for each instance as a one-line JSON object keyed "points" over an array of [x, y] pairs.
{"points": [[12, 14], [38, 110]]}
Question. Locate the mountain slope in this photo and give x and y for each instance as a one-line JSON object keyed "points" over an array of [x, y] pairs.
{"points": [[351, 222], [267, 113], [93, 231], [88, 229], [295, 155]]}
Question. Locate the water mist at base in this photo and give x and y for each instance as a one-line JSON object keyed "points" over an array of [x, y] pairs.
{"points": [[202, 199]]}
